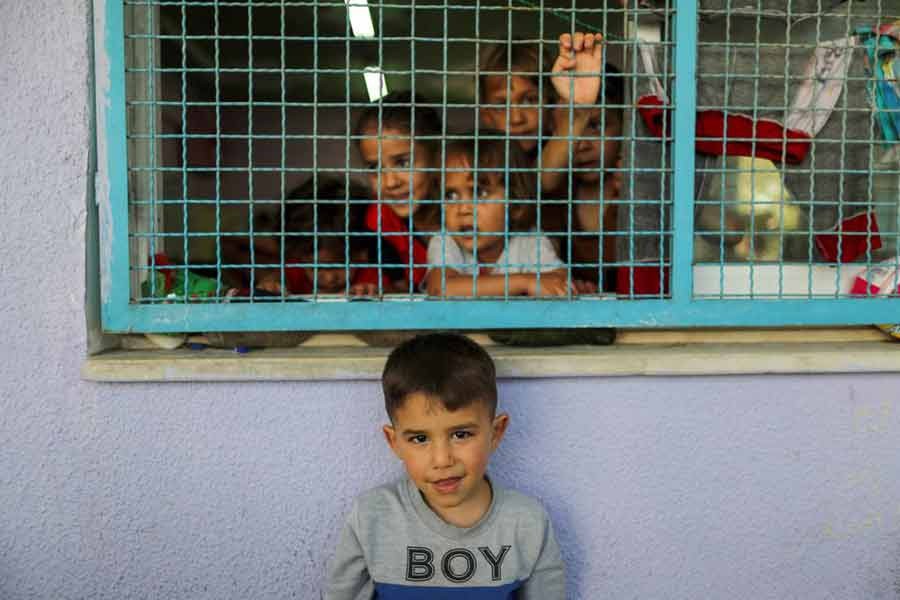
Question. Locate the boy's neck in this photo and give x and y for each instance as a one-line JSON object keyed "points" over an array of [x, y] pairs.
{"points": [[470, 512]]}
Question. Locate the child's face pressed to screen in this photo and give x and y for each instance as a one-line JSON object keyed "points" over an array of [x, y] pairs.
{"points": [[446, 454], [524, 107], [403, 180], [331, 274], [466, 216]]}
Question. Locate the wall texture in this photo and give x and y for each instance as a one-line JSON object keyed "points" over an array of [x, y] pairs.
{"points": [[750, 487]]}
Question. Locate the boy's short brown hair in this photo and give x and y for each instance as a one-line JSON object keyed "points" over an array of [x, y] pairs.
{"points": [[496, 156], [448, 368], [406, 112]]}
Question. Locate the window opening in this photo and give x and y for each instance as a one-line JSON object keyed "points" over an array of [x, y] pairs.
{"points": [[296, 155]]}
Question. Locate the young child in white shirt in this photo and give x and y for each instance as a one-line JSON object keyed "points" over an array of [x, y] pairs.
{"points": [[486, 246]]}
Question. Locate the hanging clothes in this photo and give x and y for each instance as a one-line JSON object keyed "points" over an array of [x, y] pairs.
{"points": [[882, 44], [721, 133]]}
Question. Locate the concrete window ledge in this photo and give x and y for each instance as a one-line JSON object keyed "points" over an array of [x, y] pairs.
{"points": [[676, 352]]}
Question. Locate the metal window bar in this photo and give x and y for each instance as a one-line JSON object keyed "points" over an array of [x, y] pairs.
{"points": [[199, 229]]}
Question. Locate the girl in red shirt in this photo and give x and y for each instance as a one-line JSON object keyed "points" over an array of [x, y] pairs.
{"points": [[399, 141]]}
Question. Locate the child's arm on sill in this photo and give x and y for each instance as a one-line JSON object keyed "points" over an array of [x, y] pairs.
{"points": [[453, 284]]}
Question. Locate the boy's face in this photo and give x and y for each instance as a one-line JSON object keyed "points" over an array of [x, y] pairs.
{"points": [[397, 183], [460, 209], [446, 454], [604, 146], [524, 107]]}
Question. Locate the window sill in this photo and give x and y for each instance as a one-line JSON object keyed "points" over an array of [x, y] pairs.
{"points": [[676, 352]]}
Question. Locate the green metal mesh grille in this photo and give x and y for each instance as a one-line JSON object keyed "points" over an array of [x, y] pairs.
{"points": [[247, 181]]}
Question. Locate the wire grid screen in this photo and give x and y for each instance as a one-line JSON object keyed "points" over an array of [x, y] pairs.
{"points": [[331, 150], [797, 185]]}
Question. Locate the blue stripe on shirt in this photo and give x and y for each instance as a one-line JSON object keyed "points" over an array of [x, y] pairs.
{"points": [[390, 591]]}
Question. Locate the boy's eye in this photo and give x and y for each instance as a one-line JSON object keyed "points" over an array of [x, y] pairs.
{"points": [[451, 196], [489, 184], [402, 162], [418, 439], [530, 99], [372, 166], [462, 435]]}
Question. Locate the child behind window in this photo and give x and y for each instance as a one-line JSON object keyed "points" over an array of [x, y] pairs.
{"points": [[398, 140], [486, 248], [522, 92], [512, 98], [320, 248], [595, 188]]}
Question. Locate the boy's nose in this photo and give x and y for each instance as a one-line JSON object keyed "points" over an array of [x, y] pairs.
{"points": [[441, 456], [583, 145], [391, 179], [516, 115], [464, 207]]}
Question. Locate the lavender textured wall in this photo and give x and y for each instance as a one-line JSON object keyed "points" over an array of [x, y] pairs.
{"points": [[744, 487]]}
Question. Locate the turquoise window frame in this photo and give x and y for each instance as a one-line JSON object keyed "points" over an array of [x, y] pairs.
{"points": [[682, 309]]}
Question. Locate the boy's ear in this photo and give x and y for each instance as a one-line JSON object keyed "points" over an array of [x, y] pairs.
{"points": [[390, 436], [498, 428]]}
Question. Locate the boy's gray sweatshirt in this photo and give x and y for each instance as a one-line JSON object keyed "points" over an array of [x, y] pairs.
{"points": [[395, 547]]}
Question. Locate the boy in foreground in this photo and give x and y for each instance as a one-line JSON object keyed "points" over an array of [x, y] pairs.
{"points": [[446, 530]]}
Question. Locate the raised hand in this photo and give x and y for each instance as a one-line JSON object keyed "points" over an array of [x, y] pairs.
{"points": [[580, 54]]}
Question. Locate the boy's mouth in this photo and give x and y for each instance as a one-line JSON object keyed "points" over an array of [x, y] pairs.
{"points": [[448, 485]]}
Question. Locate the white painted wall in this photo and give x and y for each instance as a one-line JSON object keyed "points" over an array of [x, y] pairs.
{"points": [[743, 487]]}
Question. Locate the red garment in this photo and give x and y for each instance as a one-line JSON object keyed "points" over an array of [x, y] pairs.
{"points": [[863, 284], [161, 260], [642, 281], [862, 287], [851, 238], [296, 281], [763, 138], [394, 231]]}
